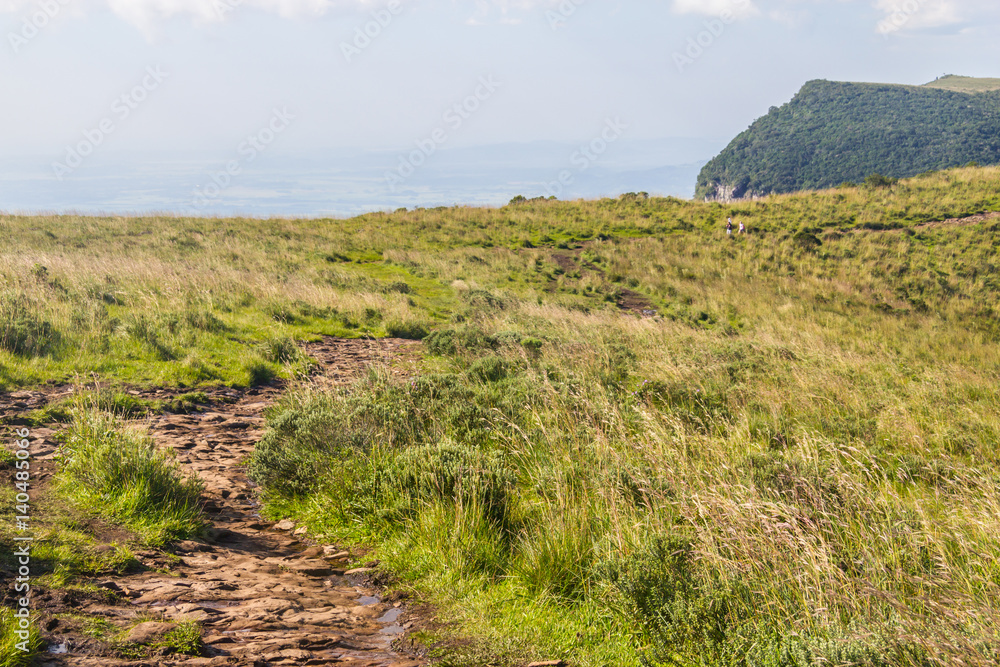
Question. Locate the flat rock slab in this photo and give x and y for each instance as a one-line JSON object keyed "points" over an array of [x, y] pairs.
{"points": [[149, 632]]}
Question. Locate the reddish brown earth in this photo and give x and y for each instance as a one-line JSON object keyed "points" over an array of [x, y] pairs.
{"points": [[264, 593]]}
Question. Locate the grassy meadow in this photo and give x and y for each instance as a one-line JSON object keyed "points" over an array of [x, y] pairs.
{"points": [[793, 462]]}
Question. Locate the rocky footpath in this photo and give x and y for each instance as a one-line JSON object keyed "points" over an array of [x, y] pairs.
{"points": [[263, 593]]}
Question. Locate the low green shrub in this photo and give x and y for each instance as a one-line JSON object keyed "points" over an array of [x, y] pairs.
{"points": [[557, 558], [481, 299], [682, 615], [23, 331], [450, 472], [259, 372], [489, 369], [876, 181], [281, 351], [450, 342], [301, 445], [409, 330]]}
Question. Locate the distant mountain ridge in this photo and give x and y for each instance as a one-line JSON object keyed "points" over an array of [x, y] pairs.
{"points": [[832, 132]]}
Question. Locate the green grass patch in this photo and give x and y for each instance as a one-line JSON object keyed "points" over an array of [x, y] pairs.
{"points": [[20, 643], [117, 473], [185, 639]]}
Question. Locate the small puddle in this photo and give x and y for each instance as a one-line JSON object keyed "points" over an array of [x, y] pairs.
{"points": [[58, 649], [393, 630], [368, 600]]}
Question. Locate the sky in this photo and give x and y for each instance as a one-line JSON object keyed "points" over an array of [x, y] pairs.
{"points": [[401, 86]]}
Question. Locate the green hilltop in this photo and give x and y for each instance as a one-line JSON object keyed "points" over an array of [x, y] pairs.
{"points": [[833, 132], [964, 84]]}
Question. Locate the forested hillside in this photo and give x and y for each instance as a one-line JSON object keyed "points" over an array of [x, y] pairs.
{"points": [[835, 132]]}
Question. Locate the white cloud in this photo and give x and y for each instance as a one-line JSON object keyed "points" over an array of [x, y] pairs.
{"points": [[918, 14], [715, 7], [897, 15], [145, 14], [906, 15], [503, 10]]}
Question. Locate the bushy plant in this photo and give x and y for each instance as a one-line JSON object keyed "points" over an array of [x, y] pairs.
{"points": [[23, 331], [303, 443], [282, 351], [452, 341], [557, 558], [450, 472], [879, 181], [684, 614], [410, 330], [259, 372]]}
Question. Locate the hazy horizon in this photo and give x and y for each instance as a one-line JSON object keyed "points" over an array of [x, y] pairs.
{"points": [[348, 182], [338, 106]]}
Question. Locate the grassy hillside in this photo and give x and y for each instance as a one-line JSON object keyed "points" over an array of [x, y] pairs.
{"points": [[832, 133], [964, 84], [794, 462]]}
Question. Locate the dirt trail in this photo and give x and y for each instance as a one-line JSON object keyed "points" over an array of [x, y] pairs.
{"points": [[261, 592], [628, 300], [972, 220]]}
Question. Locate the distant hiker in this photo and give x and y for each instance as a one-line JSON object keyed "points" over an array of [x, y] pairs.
{"points": [[729, 227], [743, 229]]}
